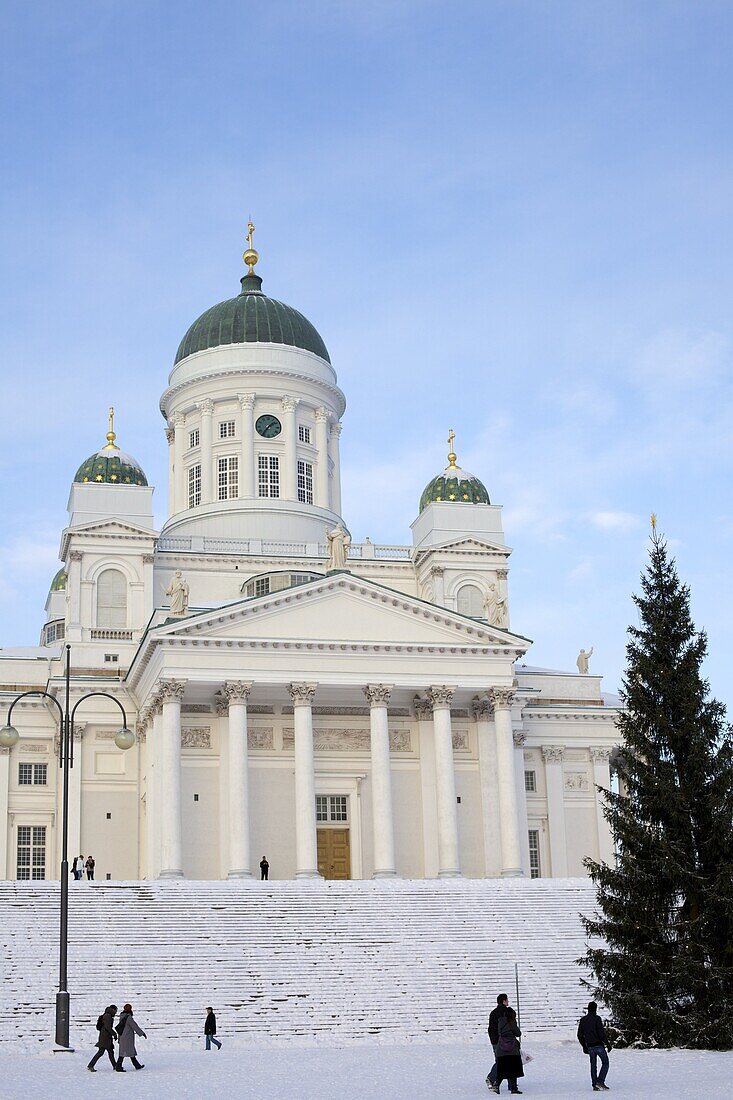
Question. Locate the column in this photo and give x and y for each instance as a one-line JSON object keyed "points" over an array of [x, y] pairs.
{"points": [[511, 859], [156, 756], [336, 429], [553, 755], [240, 860], [322, 460], [483, 713], [73, 594], [171, 828], [170, 435], [602, 778], [306, 850], [437, 574], [75, 777], [179, 503], [206, 408], [501, 576], [290, 457], [141, 732], [426, 741], [382, 821], [4, 781], [247, 477], [222, 724], [448, 859], [519, 739]]}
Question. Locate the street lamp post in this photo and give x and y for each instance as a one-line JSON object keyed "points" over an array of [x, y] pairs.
{"points": [[9, 737]]}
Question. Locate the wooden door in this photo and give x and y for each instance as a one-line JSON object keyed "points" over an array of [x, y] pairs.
{"points": [[334, 853]]}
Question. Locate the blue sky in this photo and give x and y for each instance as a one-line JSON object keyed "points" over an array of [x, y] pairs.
{"points": [[510, 218]]}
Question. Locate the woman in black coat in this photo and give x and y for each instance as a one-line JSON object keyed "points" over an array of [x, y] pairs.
{"points": [[508, 1052], [106, 1040]]}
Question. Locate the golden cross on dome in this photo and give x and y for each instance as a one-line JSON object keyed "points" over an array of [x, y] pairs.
{"points": [[654, 521], [111, 433], [451, 453], [250, 255]]}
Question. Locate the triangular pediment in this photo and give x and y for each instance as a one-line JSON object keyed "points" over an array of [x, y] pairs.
{"points": [[468, 544], [109, 527], [341, 608]]}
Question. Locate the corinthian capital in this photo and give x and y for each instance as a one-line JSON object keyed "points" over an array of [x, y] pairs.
{"points": [[519, 738], [482, 709], [600, 756], [289, 404], [553, 754], [336, 428], [247, 400], [502, 698], [322, 414], [170, 434], [378, 694], [441, 696], [236, 691], [206, 407], [423, 709], [170, 691], [302, 694]]}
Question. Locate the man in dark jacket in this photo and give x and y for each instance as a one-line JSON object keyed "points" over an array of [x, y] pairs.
{"points": [[592, 1038], [264, 869], [501, 1004], [210, 1029], [106, 1040]]}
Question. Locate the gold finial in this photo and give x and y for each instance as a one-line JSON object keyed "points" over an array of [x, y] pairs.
{"points": [[654, 521], [250, 256], [111, 433], [451, 452]]}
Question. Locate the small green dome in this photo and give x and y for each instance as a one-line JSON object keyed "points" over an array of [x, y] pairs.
{"points": [[454, 484], [110, 466], [251, 318], [58, 584]]}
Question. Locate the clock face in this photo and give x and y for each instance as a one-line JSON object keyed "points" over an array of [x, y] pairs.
{"points": [[268, 426]]}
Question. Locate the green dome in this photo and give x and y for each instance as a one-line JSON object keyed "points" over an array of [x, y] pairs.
{"points": [[110, 466], [58, 584], [454, 484], [251, 318]]}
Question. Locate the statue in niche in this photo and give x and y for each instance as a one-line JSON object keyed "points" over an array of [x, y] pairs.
{"points": [[584, 660], [178, 592], [495, 606], [339, 542]]}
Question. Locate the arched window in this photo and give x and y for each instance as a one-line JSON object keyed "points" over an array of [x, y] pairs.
{"points": [[112, 600], [471, 602]]}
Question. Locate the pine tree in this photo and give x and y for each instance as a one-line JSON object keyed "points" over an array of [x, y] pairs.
{"points": [[664, 964]]}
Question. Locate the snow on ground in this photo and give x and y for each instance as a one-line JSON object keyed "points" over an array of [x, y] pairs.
{"points": [[358, 1072]]}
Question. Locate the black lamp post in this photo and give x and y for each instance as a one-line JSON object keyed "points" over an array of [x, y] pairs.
{"points": [[9, 737]]}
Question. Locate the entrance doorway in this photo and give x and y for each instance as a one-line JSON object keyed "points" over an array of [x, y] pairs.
{"points": [[334, 853]]}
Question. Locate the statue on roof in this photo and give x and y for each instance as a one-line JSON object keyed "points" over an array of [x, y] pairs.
{"points": [[583, 660], [339, 542], [496, 607], [178, 592]]}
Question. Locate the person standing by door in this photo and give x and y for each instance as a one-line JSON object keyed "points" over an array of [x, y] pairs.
{"points": [[264, 869]]}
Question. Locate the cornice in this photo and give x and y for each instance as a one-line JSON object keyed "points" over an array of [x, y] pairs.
{"points": [[172, 392]]}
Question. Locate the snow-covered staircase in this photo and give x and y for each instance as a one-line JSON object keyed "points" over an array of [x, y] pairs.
{"points": [[334, 961]]}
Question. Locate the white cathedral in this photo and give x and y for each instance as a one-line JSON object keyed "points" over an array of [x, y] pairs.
{"points": [[348, 710]]}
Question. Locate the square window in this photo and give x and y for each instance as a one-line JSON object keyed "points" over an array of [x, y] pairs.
{"points": [[530, 782], [304, 434], [337, 807], [111, 658], [25, 775], [227, 429], [193, 438]]}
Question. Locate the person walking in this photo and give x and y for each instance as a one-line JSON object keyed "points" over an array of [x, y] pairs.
{"points": [[106, 1040], [501, 1003], [264, 869], [127, 1029], [593, 1039], [90, 863], [210, 1029], [508, 1052]]}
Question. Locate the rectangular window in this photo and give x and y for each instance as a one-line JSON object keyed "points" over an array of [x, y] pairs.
{"points": [[262, 586], [337, 807], [31, 863], [530, 782], [304, 434], [228, 477], [321, 807], [193, 438], [194, 486], [268, 470], [227, 429], [25, 775], [534, 853], [111, 658], [40, 775], [305, 482]]}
